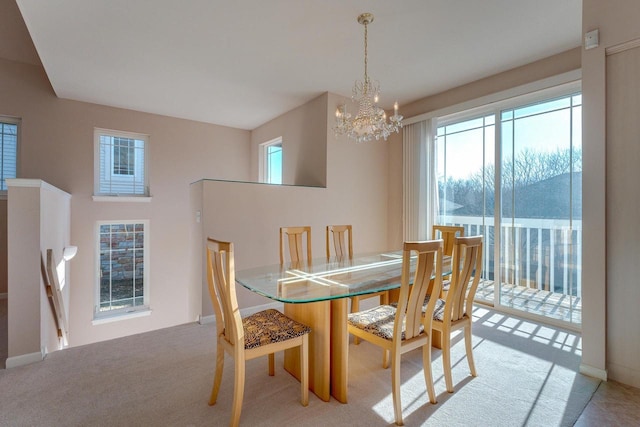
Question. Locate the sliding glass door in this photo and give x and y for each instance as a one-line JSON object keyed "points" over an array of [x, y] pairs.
{"points": [[518, 183], [541, 207]]}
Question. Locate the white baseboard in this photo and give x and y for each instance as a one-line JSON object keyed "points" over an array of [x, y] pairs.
{"points": [[3, 295], [243, 312], [624, 374], [203, 320], [24, 359], [590, 371]]}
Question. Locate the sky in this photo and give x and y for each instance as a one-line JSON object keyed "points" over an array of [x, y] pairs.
{"points": [[539, 127]]}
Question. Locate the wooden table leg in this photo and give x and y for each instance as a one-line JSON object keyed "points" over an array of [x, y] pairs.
{"points": [[436, 339], [339, 349], [316, 315]]}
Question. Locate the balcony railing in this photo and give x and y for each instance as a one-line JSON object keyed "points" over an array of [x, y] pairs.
{"points": [[540, 265]]}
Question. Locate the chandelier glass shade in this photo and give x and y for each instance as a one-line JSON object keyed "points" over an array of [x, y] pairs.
{"points": [[370, 122]]}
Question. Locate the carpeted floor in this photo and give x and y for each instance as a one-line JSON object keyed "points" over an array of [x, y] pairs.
{"points": [[527, 376]]}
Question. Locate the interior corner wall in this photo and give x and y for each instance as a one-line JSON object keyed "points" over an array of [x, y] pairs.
{"points": [[57, 146], [304, 144], [55, 234], [610, 289], [25, 281], [199, 300]]}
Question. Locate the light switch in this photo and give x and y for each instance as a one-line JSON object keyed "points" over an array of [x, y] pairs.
{"points": [[591, 39]]}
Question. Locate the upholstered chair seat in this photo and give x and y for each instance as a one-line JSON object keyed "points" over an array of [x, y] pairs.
{"points": [[270, 326]]}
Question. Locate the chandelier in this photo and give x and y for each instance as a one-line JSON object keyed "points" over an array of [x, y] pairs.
{"points": [[371, 121]]}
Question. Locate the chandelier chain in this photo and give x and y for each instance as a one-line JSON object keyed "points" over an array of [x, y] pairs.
{"points": [[366, 76]]}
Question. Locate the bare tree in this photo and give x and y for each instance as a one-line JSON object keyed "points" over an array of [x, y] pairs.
{"points": [[527, 168]]}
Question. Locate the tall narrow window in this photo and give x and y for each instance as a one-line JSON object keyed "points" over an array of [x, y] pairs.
{"points": [[122, 271], [120, 163], [271, 161], [8, 150]]}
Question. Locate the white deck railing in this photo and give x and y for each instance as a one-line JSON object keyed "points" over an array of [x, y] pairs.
{"points": [[544, 254]]}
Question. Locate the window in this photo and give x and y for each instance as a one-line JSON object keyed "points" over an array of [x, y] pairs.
{"points": [[271, 161], [122, 285], [9, 129], [120, 163]]}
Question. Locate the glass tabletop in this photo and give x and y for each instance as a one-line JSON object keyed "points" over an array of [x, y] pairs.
{"points": [[323, 279]]}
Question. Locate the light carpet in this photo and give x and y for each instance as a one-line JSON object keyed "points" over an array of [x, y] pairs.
{"points": [[527, 376]]}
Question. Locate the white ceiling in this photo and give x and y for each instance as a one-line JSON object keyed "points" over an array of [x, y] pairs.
{"points": [[242, 63]]}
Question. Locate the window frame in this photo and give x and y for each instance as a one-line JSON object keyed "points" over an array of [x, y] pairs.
{"points": [[18, 122], [264, 163], [113, 159], [123, 196], [125, 312]]}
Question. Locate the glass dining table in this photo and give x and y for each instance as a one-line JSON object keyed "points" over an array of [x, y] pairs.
{"points": [[315, 293]]}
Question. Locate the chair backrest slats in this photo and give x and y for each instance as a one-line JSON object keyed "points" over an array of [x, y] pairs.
{"points": [[222, 290], [413, 292], [342, 240], [467, 267], [294, 237], [447, 233]]}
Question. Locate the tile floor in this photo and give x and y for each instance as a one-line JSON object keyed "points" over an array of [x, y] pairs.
{"points": [[613, 404]]}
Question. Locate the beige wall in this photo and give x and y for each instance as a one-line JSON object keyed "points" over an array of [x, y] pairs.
{"points": [[610, 336], [55, 234], [3, 246], [57, 146], [39, 219], [304, 144], [24, 302], [548, 67]]}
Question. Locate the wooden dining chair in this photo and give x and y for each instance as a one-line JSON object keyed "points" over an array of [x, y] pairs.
{"points": [[260, 334], [342, 238], [455, 311], [295, 237], [407, 326], [447, 233]]}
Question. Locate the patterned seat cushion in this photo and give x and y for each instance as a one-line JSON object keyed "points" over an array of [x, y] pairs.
{"points": [[438, 312], [377, 320], [270, 326]]}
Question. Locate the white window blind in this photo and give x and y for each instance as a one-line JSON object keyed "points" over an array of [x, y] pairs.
{"points": [[121, 163], [8, 150]]}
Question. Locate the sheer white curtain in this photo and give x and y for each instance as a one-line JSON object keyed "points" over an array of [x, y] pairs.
{"points": [[419, 180]]}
